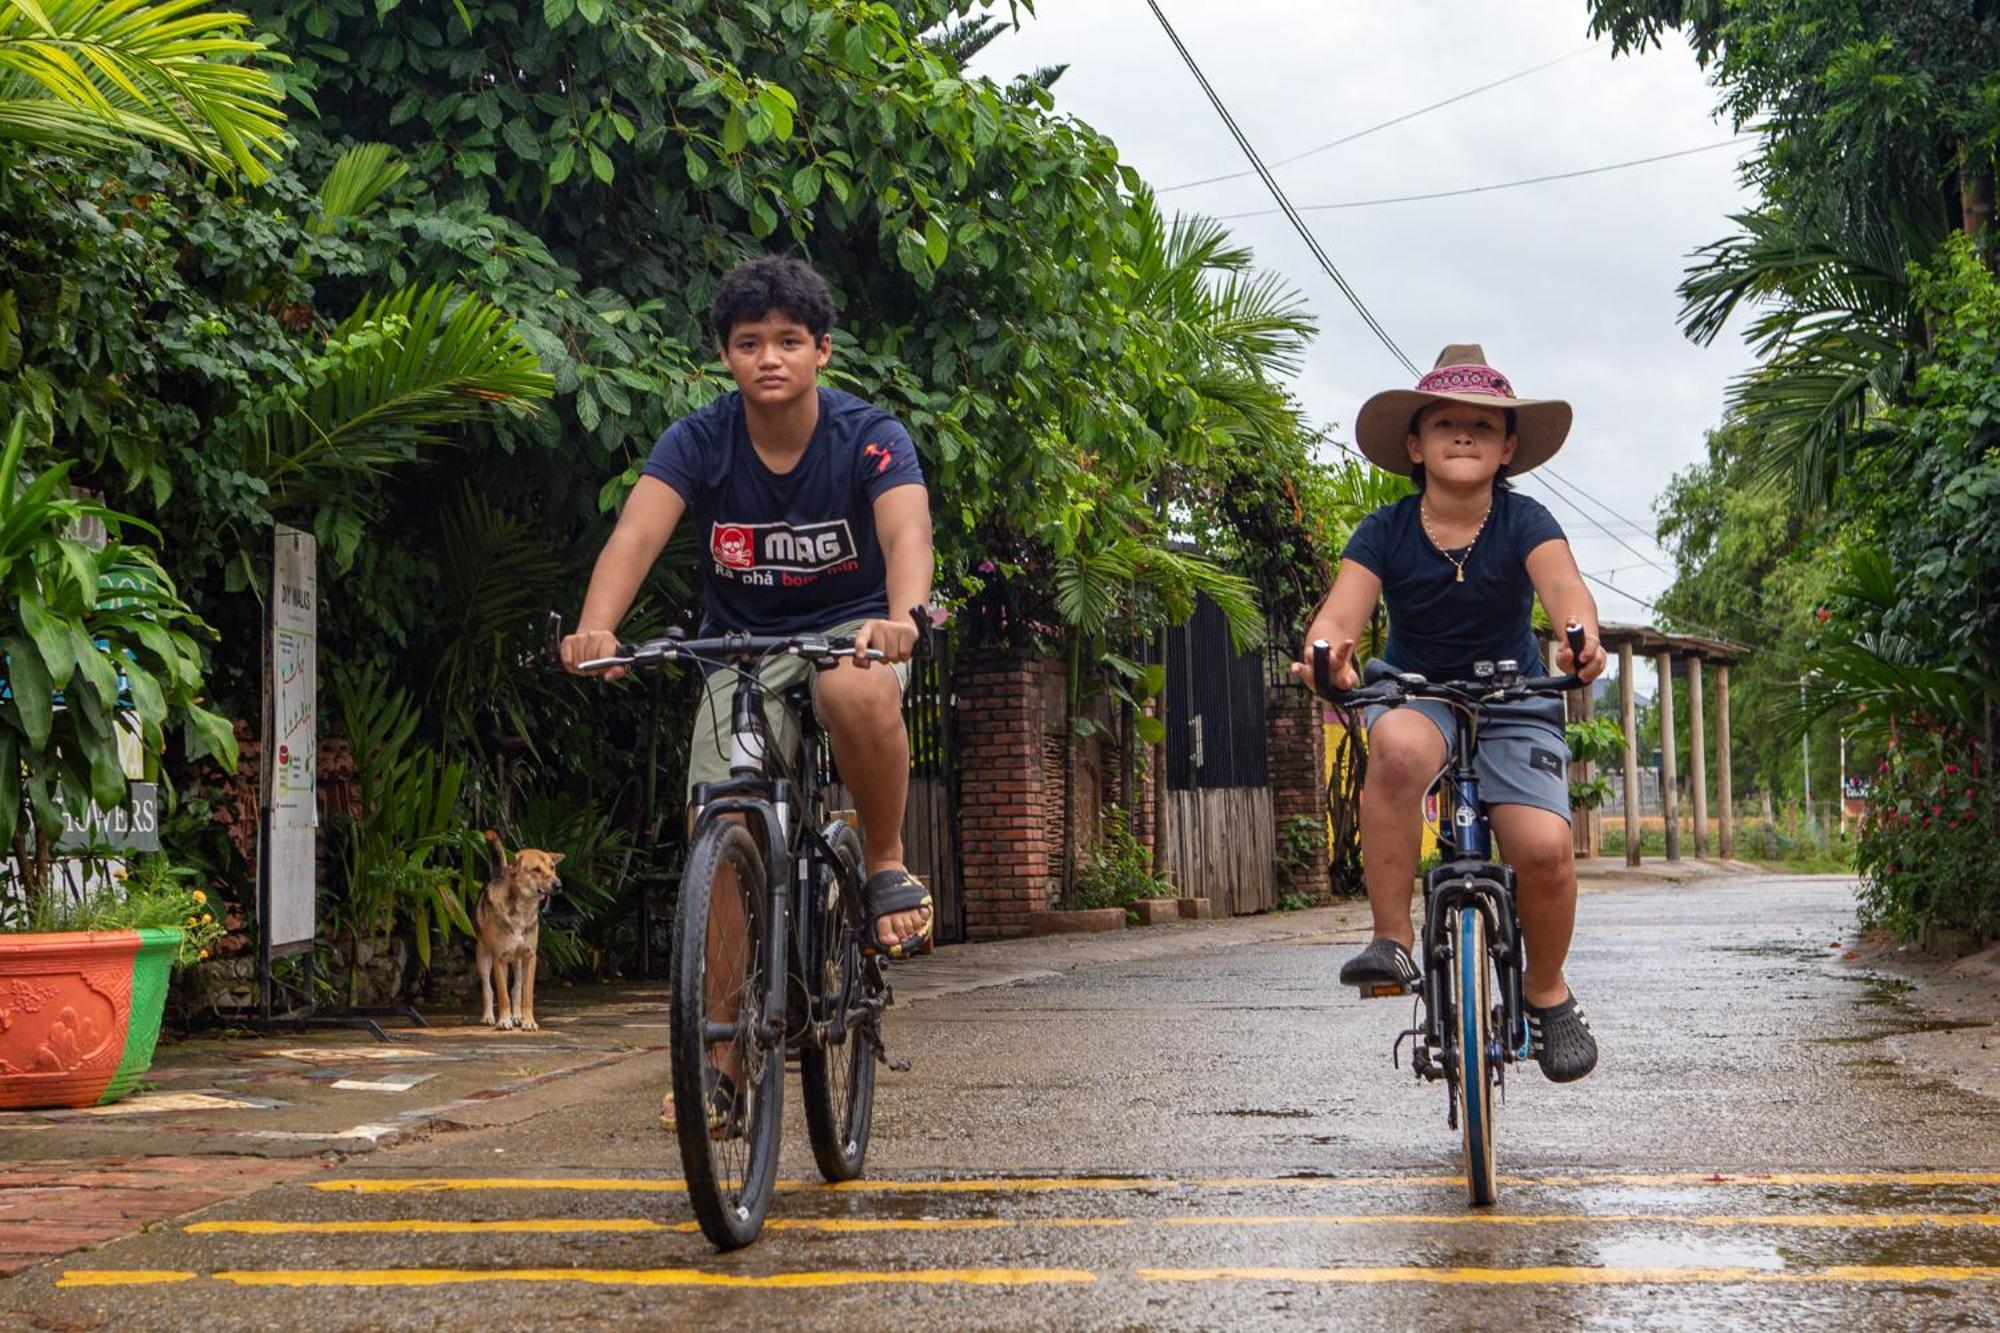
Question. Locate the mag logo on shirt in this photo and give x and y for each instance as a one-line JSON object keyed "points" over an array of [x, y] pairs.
{"points": [[782, 554]]}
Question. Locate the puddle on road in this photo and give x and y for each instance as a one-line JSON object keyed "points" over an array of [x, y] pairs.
{"points": [[1660, 1250]]}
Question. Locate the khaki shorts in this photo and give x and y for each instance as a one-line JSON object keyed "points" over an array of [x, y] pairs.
{"points": [[1523, 758], [708, 749]]}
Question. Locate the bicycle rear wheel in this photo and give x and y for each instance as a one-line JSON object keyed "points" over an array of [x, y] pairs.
{"points": [[838, 1075], [719, 995], [1472, 1003]]}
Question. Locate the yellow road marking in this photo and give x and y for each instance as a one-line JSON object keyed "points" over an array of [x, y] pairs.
{"points": [[1578, 1277], [413, 1225], [1013, 1277], [1004, 1185], [568, 1225], [614, 1277]]}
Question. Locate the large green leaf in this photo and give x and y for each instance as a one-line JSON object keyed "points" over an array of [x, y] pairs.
{"points": [[396, 373], [51, 636], [28, 678], [107, 74]]}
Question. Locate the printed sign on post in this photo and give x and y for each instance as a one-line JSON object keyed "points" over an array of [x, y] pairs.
{"points": [[291, 741]]}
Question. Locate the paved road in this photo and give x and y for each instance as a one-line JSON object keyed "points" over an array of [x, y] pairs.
{"points": [[1207, 1140]]}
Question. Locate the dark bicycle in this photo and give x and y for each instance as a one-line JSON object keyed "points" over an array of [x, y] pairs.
{"points": [[1471, 944], [771, 949]]}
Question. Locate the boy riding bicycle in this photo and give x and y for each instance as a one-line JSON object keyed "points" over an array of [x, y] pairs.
{"points": [[1458, 564], [813, 510]]}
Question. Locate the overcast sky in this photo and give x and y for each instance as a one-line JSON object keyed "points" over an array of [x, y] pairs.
{"points": [[1569, 285]]}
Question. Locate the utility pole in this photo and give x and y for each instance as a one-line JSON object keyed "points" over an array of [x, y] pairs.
{"points": [[1805, 751]]}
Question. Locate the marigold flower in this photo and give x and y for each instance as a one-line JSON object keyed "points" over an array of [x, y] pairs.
{"points": [[121, 873], [203, 954], [200, 897], [207, 920]]}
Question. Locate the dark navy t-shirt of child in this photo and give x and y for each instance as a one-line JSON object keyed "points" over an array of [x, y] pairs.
{"points": [[793, 552], [1439, 626]]}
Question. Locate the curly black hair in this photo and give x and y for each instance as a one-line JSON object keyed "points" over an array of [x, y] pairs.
{"points": [[771, 284]]}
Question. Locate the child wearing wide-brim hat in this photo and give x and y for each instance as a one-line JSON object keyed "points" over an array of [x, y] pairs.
{"points": [[1459, 563]]}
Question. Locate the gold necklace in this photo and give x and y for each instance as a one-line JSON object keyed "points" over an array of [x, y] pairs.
{"points": [[1457, 564]]}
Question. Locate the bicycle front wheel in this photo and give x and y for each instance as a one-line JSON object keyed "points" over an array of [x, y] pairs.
{"points": [[728, 1082], [838, 1071], [1472, 978]]}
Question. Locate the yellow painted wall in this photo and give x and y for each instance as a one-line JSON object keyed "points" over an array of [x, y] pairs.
{"points": [[1334, 734]]}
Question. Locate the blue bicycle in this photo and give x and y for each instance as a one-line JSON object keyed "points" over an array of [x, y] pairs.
{"points": [[1471, 1022]]}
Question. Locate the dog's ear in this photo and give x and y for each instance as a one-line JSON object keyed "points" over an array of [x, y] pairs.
{"points": [[499, 850], [555, 858]]}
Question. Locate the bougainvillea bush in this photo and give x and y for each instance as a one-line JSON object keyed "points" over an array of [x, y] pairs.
{"points": [[1926, 848]]}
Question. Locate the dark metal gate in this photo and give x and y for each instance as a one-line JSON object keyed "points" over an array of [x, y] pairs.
{"points": [[930, 820], [1221, 842], [1215, 707]]}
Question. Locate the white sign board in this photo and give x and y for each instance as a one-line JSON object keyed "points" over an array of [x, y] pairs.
{"points": [[291, 741]]}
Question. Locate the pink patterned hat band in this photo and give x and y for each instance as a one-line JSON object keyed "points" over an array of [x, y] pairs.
{"points": [[1473, 379]]}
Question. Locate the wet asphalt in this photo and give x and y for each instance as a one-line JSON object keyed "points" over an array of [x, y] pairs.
{"points": [[1210, 1140]]}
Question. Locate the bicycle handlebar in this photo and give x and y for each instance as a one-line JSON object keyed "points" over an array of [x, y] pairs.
{"points": [[734, 648], [1408, 685]]}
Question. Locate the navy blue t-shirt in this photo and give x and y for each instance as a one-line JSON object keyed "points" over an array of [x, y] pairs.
{"points": [[1438, 626], [795, 552]]}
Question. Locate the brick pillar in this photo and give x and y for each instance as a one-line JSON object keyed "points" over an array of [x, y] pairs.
{"points": [[1295, 743], [1005, 797]]}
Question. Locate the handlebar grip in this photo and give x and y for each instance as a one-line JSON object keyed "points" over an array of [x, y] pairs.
{"points": [[552, 643], [1575, 634], [920, 616], [1322, 667]]}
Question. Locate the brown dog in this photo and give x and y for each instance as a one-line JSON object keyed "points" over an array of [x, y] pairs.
{"points": [[508, 926]]}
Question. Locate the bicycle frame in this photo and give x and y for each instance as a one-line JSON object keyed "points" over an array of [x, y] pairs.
{"points": [[1469, 877], [794, 853]]}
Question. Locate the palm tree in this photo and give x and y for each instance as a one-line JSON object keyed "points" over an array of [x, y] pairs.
{"points": [[102, 75], [1838, 339]]}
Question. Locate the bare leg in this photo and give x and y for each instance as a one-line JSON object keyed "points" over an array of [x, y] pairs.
{"points": [[1537, 844], [863, 712], [1405, 752]]}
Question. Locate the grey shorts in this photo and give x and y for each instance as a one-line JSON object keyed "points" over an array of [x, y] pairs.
{"points": [[708, 748], [1523, 758]]}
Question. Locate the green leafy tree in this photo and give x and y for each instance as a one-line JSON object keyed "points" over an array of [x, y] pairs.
{"points": [[102, 75]]}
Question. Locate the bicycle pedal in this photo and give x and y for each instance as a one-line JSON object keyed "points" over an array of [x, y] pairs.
{"points": [[1385, 990]]}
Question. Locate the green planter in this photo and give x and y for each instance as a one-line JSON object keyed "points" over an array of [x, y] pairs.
{"points": [[80, 1014]]}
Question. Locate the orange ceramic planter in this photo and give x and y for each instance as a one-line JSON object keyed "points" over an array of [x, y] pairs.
{"points": [[80, 1014]]}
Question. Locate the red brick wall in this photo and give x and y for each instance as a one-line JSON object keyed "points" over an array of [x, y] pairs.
{"points": [[1005, 798], [1297, 749]]}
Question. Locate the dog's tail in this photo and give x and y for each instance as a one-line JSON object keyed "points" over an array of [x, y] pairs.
{"points": [[499, 850]]}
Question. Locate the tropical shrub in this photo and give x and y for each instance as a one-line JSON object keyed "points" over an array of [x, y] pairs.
{"points": [[95, 639], [1925, 852]]}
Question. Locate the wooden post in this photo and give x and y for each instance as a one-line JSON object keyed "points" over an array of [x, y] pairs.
{"points": [[1669, 797], [1724, 796], [1697, 757], [1583, 834], [1630, 718]]}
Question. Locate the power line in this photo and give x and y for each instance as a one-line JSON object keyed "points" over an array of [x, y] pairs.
{"points": [[1408, 115], [1284, 204], [1501, 185], [1292, 215]]}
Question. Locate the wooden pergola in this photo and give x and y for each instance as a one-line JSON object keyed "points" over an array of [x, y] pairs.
{"points": [[1695, 652]]}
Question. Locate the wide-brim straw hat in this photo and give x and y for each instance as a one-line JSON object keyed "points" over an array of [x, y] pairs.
{"points": [[1461, 376]]}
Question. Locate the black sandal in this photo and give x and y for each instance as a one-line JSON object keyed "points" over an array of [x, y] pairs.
{"points": [[1562, 1042], [888, 892], [725, 1120]]}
